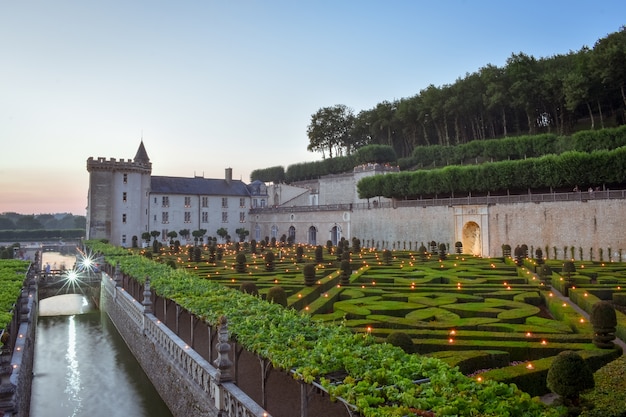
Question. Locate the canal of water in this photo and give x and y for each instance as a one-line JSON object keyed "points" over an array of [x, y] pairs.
{"points": [[83, 368]]}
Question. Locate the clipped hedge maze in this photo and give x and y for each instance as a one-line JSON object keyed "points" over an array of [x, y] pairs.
{"points": [[475, 313]]}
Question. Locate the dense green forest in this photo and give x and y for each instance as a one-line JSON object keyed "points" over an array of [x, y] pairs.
{"points": [[561, 94]]}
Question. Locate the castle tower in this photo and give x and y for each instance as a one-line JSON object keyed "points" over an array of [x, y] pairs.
{"points": [[118, 198]]}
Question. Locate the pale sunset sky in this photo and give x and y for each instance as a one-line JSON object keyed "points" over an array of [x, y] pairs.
{"points": [[211, 85]]}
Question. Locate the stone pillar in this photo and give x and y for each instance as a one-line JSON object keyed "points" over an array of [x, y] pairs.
{"points": [[7, 389], [223, 362], [118, 275], [147, 294]]}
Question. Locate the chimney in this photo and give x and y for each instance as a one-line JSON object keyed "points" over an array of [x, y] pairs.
{"points": [[229, 175]]}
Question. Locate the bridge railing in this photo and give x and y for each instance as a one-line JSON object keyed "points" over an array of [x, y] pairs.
{"points": [[226, 396]]}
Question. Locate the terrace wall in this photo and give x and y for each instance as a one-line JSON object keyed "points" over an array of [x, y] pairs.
{"points": [[590, 224]]}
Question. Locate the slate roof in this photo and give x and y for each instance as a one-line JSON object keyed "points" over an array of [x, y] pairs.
{"points": [[198, 186], [141, 155]]}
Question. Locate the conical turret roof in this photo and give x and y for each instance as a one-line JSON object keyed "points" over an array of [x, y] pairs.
{"points": [[142, 155]]}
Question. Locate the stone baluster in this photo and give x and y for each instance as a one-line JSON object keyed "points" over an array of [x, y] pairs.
{"points": [[223, 362], [7, 389], [118, 275], [147, 294]]}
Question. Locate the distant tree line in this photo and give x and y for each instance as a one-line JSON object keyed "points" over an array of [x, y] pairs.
{"points": [[13, 221], [18, 227]]}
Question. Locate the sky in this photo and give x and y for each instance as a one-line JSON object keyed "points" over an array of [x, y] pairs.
{"points": [[209, 85]]}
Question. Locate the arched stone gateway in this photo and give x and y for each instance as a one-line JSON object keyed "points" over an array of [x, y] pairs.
{"points": [[471, 239], [472, 229]]}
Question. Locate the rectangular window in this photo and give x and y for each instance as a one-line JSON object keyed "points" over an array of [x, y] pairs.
{"points": [[124, 218], [242, 202], [125, 179], [164, 234], [165, 217], [187, 217], [124, 197], [155, 218], [254, 202], [205, 201], [242, 216], [187, 201], [205, 217], [123, 240], [262, 202], [165, 201], [155, 200], [224, 202], [224, 217]]}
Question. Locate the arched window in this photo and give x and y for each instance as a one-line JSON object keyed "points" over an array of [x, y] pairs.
{"points": [[312, 235]]}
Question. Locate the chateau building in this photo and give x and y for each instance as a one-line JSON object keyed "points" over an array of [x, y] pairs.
{"points": [[125, 200]]}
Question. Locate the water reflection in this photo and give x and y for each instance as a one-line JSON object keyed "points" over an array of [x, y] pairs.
{"points": [[63, 305], [83, 367]]}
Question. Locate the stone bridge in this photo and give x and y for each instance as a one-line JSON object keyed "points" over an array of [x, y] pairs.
{"points": [[69, 282]]}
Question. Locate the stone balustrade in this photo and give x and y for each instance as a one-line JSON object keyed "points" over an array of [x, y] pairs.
{"points": [[214, 382]]}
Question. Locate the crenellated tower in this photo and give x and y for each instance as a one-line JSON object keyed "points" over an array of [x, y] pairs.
{"points": [[118, 198]]}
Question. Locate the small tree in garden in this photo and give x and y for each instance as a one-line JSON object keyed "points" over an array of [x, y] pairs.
{"points": [[156, 246], [604, 322], [155, 234], [506, 250], [212, 254], [240, 262], [346, 271], [222, 232], [423, 252], [569, 376], [329, 246], [539, 256], [197, 254], [219, 253], [545, 271], [269, 261], [277, 295], [568, 269], [442, 251], [184, 233], [319, 254], [299, 253], [387, 257], [356, 245], [458, 247], [309, 274], [253, 246], [242, 232], [249, 288], [519, 255], [339, 252], [401, 340], [172, 235], [190, 253]]}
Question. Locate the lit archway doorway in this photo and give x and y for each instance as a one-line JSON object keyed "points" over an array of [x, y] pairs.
{"points": [[472, 243]]}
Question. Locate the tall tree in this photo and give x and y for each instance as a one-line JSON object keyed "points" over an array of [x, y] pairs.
{"points": [[329, 130]]}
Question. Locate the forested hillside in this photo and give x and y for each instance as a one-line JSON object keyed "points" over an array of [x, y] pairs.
{"points": [[561, 94]]}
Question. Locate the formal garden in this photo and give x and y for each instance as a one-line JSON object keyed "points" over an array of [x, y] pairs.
{"points": [[465, 335]]}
